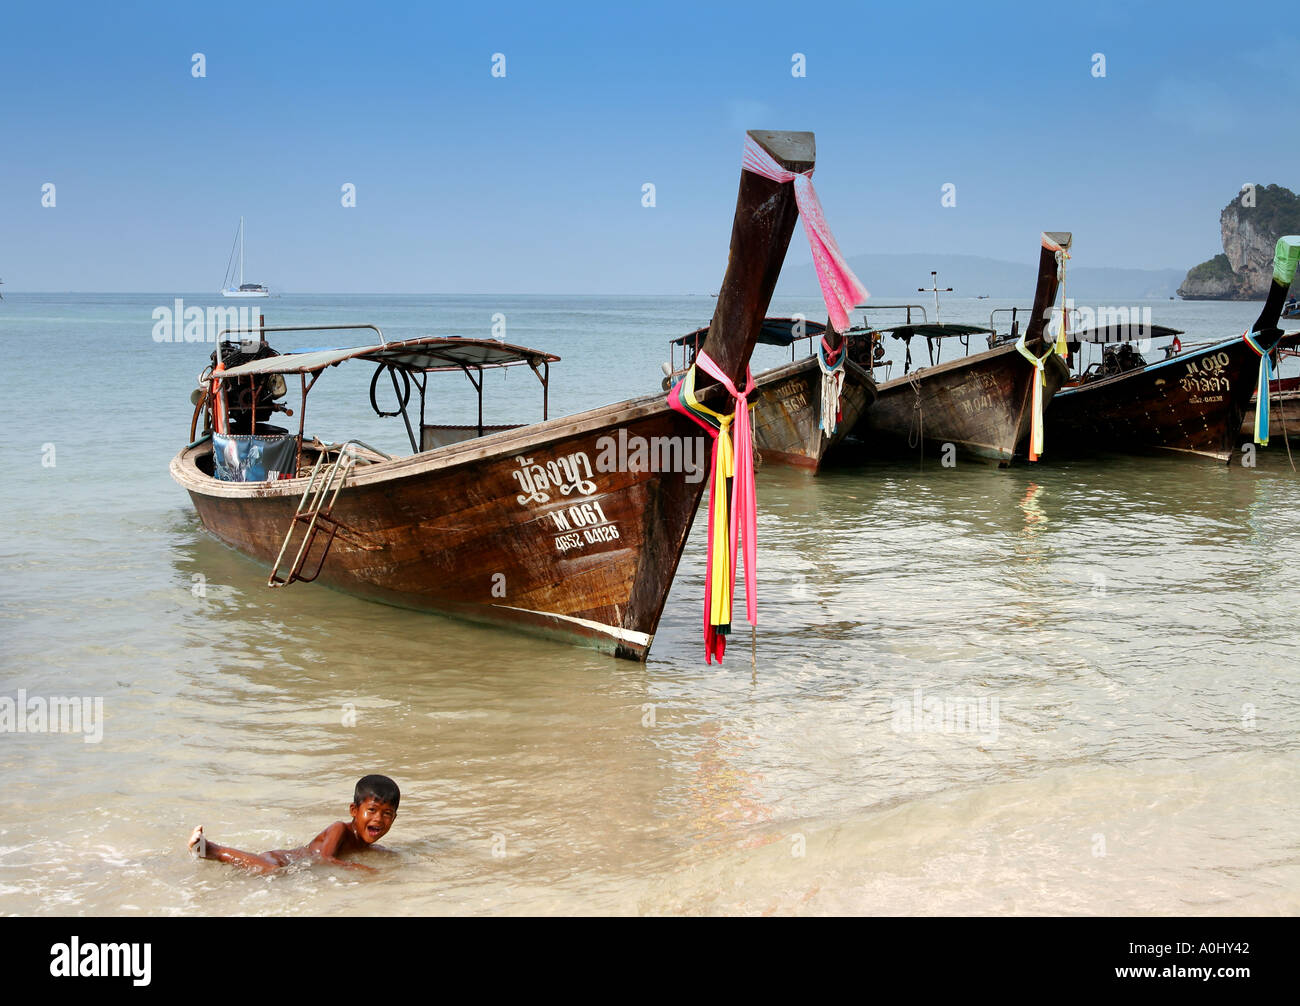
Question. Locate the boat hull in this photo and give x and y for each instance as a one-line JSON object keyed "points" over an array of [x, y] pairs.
{"points": [[788, 412], [1193, 403], [548, 530], [1283, 416], [981, 404]]}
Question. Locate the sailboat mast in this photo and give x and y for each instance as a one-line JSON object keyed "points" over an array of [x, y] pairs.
{"points": [[241, 253]]}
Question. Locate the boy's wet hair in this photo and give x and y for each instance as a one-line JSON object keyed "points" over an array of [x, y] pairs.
{"points": [[380, 787]]}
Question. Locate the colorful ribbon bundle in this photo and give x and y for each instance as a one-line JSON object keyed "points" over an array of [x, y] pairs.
{"points": [[1261, 390], [840, 288], [842, 291], [1040, 382], [730, 461], [831, 363]]}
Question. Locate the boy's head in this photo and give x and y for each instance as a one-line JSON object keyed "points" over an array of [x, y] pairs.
{"points": [[374, 806], [380, 787]]}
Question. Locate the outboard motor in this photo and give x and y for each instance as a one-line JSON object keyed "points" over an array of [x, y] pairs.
{"points": [[1120, 359], [251, 397]]}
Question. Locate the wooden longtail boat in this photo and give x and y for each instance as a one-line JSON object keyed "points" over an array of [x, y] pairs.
{"points": [[982, 404], [1193, 402], [523, 527], [789, 401]]}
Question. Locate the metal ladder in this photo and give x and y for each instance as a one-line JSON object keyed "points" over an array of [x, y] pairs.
{"points": [[314, 510]]}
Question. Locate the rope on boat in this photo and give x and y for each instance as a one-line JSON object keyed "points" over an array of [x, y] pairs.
{"points": [[1286, 437], [918, 414]]}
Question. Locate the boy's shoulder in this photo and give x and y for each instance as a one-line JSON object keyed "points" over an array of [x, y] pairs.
{"points": [[334, 836]]}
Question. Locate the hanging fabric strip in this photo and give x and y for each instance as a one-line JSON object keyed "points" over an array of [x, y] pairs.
{"points": [[1261, 389], [1062, 346], [833, 374], [841, 290], [728, 526], [1040, 382]]}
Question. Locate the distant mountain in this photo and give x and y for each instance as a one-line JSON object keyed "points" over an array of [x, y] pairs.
{"points": [[895, 276]]}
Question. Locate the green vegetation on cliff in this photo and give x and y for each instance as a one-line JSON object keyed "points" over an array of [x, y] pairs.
{"points": [[1276, 210], [1217, 269]]}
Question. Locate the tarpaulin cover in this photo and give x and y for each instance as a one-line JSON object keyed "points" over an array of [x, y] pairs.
{"points": [[239, 458]]}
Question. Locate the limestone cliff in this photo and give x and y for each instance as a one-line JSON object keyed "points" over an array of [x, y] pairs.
{"points": [[1250, 233]]}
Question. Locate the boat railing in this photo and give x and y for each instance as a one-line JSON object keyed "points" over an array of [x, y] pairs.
{"points": [[261, 331], [909, 308], [875, 353], [1017, 313]]}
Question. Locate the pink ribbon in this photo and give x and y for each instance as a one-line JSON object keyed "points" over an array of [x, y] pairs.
{"points": [[841, 290], [744, 505], [744, 502]]}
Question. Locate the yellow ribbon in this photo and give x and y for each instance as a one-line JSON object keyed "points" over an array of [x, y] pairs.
{"points": [[720, 578], [1040, 382]]}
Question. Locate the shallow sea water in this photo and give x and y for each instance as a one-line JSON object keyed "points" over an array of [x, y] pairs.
{"points": [[1124, 626]]}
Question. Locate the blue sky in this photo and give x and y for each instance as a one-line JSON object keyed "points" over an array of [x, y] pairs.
{"points": [[531, 183]]}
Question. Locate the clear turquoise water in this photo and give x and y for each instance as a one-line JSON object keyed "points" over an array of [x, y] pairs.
{"points": [[1132, 617]]}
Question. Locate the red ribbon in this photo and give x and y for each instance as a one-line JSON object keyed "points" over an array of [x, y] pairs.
{"points": [[732, 441]]}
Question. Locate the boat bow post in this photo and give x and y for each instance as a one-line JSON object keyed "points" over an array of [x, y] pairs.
{"points": [[775, 187], [1264, 335]]}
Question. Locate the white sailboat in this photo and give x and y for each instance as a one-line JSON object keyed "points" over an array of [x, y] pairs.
{"points": [[228, 288]]}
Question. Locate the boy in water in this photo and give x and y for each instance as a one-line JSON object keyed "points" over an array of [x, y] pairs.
{"points": [[374, 806]]}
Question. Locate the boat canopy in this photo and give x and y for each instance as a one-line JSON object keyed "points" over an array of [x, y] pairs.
{"points": [[1123, 332], [775, 332], [427, 354], [936, 331]]}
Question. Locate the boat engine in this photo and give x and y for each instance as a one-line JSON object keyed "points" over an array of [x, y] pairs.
{"points": [[255, 397], [1120, 359]]}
